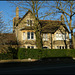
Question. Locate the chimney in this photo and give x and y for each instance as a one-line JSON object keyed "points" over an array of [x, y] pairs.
{"points": [[62, 18], [17, 12]]}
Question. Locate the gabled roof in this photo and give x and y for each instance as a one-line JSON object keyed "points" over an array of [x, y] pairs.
{"points": [[51, 25], [24, 16], [47, 25]]}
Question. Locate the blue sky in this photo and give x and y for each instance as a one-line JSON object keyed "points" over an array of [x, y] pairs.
{"points": [[8, 12]]}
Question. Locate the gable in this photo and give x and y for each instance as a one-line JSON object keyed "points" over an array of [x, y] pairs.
{"points": [[27, 16], [48, 26], [51, 26], [61, 29]]}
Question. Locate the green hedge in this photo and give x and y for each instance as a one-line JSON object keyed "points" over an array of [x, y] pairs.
{"points": [[14, 52], [44, 53], [6, 56]]}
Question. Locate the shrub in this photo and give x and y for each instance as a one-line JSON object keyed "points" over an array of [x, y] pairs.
{"points": [[13, 51], [44, 53], [6, 56]]}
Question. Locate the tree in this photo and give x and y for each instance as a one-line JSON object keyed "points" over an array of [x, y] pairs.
{"points": [[1, 23], [35, 7], [4, 35], [67, 8]]}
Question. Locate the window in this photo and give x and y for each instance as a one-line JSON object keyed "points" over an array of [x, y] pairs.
{"points": [[28, 35], [29, 22], [56, 34], [23, 35], [58, 47], [45, 47], [60, 36], [45, 37], [28, 47], [62, 47], [32, 47], [32, 35]]}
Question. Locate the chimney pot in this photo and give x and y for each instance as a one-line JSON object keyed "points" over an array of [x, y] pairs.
{"points": [[62, 18], [17, 12]]}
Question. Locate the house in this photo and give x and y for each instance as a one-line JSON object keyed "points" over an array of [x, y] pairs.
{"points": [[55, 34]]}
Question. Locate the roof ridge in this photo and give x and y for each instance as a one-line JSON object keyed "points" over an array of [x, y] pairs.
{"points": [[49, 20]]}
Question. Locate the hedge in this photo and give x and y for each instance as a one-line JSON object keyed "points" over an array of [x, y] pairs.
{"points": [[14, 52], [44, 53], [6, 56]]}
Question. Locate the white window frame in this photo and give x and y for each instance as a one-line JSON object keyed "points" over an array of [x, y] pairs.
{"points": [[28, 22], [30, 36], [60, 36], [24, 35], [58, 47], [45, 37], [30, 47]]}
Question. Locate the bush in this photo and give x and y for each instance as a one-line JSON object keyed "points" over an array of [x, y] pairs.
{"points": [[13, 51], [6, 56], [44, 53]]}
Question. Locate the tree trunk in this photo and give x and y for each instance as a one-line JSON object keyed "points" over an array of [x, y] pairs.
{"points": [[38, 35], [72, 39]]}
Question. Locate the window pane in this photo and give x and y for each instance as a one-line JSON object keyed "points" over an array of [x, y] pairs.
{"points": [[60, 35], [58, 47], [32, 47], [28, 46], [28, 35], [57, 35], [62, 47], [23, 35], [28, 23], [32, 35]]}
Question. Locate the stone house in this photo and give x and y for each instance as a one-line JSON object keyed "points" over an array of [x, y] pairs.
{"points": [[55, 34]]}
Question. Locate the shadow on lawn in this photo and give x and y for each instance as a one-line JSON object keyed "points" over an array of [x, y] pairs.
{"points": [[43, 61]]}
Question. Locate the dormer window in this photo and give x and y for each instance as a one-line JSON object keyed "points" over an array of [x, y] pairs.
{"points": [[29, 22]]}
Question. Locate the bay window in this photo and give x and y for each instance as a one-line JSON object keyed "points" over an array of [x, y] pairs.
{"points": [[30, 35]]}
